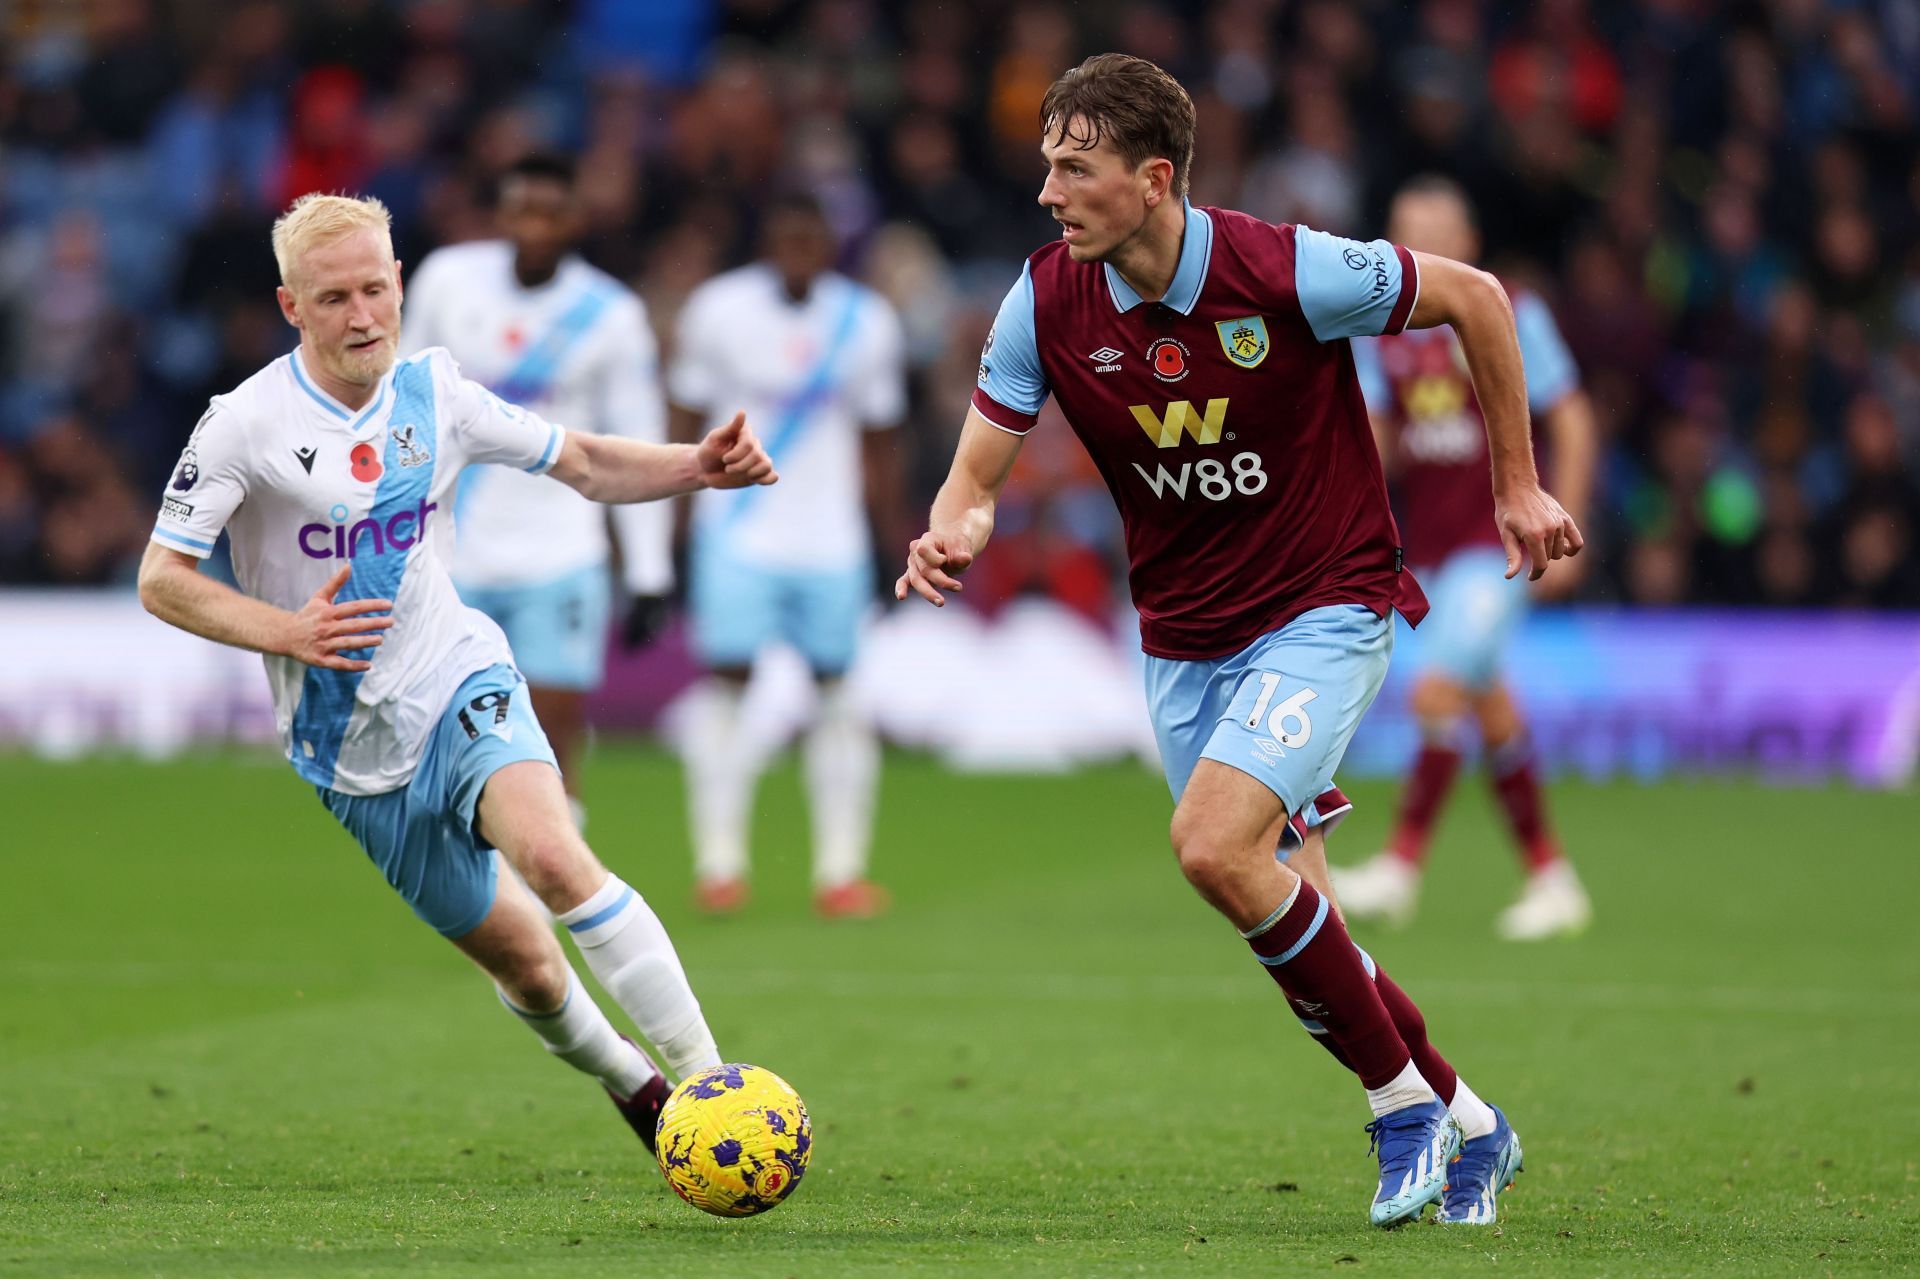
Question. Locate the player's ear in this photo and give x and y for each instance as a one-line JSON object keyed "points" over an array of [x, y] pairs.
{"points": [[289, 307], [1158, 173]]}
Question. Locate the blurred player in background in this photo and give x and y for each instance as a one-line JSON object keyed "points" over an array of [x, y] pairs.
{"points": [[538, 326], [1201, 356], [332, 470], [818, 360], [1434, 440]]}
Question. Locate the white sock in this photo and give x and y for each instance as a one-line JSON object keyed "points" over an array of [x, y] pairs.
{"points": [[1405, 1089], [1476, 1117], [843, 770], [722, 768], [580, 1035], [629, 951]]}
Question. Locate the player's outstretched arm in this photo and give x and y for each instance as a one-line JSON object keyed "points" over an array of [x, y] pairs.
{"points": [[607, 468], [1533, 526], [962, 518], [174, 590]]}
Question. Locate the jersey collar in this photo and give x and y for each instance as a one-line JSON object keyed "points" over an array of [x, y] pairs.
{"points": [[332, 407], [1196, 251]]}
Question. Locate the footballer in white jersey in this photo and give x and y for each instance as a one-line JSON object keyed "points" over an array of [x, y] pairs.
{"points": [[818, 361], [542, 328], [331, 471]]}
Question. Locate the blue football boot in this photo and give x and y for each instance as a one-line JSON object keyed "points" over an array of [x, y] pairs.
{"points": [[1416, 1143], [1486, 1166]]}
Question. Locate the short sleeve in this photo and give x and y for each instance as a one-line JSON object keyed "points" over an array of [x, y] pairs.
{"points": [[1373, 378], [1551, 372], [207, 485], [880, 396], [1011, 387], [489, 429], [1352, 288], [694, 378]]}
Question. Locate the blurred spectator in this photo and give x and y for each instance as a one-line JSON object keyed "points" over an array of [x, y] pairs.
{"points": [[1722, 203]]}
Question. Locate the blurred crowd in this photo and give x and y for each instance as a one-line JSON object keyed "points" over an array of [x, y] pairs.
{"points": [[1720, 201]]}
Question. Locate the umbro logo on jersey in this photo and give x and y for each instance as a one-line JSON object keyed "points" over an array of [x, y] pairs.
{"points": [[306, 456], [1105, 360]]}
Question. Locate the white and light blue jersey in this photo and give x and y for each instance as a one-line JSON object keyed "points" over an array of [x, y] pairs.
{"points": [[811, 376], [577, 350], [302, 484]]}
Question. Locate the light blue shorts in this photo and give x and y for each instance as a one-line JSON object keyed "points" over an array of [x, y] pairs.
{"points": [[1281, 710], [556, 629], [739, 607], [421, 836], [1475, 611]]}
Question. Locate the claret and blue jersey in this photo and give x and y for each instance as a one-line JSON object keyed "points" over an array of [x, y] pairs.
{"points": [[1229, 424], [1226, 419], [302, 484]]}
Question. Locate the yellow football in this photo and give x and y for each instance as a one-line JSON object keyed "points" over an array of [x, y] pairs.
{"points": [[734, 1140]]}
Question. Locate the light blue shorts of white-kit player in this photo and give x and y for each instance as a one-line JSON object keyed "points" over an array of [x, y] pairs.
{"points": [[422, 835], [738, 607], [557, 629]]}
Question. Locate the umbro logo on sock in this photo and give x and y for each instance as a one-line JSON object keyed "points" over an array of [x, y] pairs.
{"points": [[306, 457]]}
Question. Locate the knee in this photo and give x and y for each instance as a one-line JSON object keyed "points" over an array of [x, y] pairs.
{"points": [[538, 983], [1438, 701], [560, 869], [1204, 858]]}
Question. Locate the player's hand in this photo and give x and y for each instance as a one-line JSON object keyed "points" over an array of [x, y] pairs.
{"points": [[647, 616], [1534, 529], [322, 631], [731, 457], [934, 564], [1561, 584]]}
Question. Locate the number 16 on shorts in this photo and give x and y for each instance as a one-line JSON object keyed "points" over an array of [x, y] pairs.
{"points": [[1287, 722]]}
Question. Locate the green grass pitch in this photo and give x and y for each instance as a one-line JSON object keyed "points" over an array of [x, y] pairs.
{"points": [[227, 1050]]}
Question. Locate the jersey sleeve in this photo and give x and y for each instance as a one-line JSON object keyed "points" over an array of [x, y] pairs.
{"points": [[1551, 372], [207, 485], [489, 429], [694, 377], [1012, 387], [1353, 288], [1373, 378], [880, 395], [630, 405]]}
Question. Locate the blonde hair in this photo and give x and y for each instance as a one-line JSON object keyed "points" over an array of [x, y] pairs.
{"points": [[317, 218]]}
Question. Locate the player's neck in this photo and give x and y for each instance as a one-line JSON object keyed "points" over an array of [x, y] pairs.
{"points": [[1149, 258], [532, 275], [354, 395], [796, 288]]}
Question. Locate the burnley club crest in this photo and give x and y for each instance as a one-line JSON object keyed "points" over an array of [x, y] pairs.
{"points": [[1244, 340]]}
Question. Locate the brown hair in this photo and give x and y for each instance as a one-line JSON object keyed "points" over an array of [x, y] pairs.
{"points": [[1128, 102]]}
